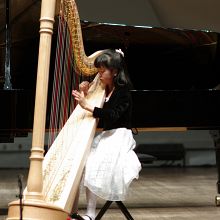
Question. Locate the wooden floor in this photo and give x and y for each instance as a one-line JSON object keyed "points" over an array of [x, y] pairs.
{"points": [[160, 193]]}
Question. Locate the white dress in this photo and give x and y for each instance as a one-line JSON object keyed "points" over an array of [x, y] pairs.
{"points": [[112, 164]]}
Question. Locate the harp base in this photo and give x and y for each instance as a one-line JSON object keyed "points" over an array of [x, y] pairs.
{"points": [[35, 210]]}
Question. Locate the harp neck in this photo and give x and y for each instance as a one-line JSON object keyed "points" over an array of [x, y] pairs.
{"points": [[70, 13]]}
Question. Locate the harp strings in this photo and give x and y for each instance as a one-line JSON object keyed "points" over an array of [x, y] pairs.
{"points": [[65, 80]]}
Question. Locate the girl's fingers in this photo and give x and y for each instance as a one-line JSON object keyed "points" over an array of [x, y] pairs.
{"points": [[75, 92], [83, 87], [77, 95]]}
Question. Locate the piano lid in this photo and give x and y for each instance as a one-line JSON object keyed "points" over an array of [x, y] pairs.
{"points": [[160, 58]]}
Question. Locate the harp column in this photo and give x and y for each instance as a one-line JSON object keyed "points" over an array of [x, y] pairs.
{"points": [[34, 206], [35, 179]]}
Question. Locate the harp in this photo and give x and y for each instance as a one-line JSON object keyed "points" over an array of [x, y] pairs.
{"points": [[53, 181]]}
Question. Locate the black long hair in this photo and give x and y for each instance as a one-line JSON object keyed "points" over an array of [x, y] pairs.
{"points": [[113, 60]]}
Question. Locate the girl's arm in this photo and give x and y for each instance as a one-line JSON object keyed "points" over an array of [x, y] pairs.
{"points": [[120, 106]]}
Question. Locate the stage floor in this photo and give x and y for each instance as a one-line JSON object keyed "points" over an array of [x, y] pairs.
{"points": [[160, 193]]}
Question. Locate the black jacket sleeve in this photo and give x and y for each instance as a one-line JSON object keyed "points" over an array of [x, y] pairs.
{"points": [[118, 108]]}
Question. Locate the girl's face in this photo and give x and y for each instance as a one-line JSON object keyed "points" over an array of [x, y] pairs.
{"points": [[106, 76]]}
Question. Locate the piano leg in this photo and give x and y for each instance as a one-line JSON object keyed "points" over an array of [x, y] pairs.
{"points": [[216, 137]]}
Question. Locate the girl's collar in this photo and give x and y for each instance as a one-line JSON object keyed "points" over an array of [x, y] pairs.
{"points": [[109, 95]]}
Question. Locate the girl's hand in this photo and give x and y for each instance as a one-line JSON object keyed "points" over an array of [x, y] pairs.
{"points": [[80, 97], [84, 87]]}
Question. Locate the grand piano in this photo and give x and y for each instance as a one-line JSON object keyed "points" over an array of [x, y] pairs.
{"points": [[175, 75]]}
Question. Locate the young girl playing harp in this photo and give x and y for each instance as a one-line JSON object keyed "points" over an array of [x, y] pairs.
{"points": [[112, 163]]}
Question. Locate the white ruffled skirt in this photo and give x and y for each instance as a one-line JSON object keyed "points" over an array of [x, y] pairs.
{"points": [[112, 164]]}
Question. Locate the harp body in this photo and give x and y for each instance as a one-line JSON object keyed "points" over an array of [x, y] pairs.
{"points": [[53, 180], [64, 162]]}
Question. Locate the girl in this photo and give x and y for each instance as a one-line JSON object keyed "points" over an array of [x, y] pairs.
{"points": [[112, 163]]}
